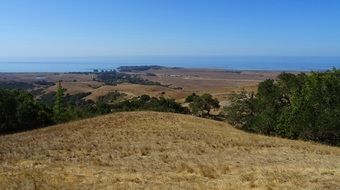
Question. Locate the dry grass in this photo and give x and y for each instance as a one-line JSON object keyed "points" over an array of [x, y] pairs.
{"points": [[51, 77], [149, 150], [76, 87], [219, 83], [133, 90], [205, 80]]}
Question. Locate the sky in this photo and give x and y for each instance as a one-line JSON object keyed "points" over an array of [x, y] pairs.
{"points": [[71, 28]]}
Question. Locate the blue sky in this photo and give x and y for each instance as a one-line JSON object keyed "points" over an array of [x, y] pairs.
{"points": [[66, 28]]}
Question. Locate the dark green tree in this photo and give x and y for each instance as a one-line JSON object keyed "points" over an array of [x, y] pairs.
{"points": [[19, 111], [202, 105], [191, 97], [302, 106], [59, 108], [241, 110]]}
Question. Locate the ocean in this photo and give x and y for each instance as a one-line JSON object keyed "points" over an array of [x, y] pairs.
{"points": [[211, 62]]}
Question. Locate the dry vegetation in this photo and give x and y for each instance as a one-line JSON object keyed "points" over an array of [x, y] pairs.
{"points": [[149, 150], [206, 80], [76, 87], [219, 83], [133, 90], [51, 77]]}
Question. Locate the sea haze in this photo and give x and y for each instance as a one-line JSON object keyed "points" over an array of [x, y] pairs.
{"points": [[212, 62]]}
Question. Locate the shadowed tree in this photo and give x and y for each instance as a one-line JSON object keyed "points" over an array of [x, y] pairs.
{"points": [[202, 105], [59, 109]]}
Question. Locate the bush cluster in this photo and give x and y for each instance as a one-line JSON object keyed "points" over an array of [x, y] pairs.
{"points": [[301, 106], [20, 111]]}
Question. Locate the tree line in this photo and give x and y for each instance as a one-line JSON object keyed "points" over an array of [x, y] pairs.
{"points": [[20, 110], [295, 106]]}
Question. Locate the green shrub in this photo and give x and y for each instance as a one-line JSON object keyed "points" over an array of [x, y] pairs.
{"points": [[302, 106], [19, 111]]}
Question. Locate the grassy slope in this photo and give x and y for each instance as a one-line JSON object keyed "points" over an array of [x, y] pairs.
{"points": [[161, 151]]}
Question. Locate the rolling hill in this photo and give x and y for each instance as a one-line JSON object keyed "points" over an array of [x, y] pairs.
{"points": [[150, 150]]}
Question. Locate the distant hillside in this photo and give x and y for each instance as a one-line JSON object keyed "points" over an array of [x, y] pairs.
{"points": [[150, 150]]}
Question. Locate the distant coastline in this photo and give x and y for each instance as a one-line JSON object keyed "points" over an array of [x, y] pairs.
{"points": [[205, 62]]}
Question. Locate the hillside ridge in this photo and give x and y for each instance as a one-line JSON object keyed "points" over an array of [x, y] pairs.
{"points": [[138, 150]]}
